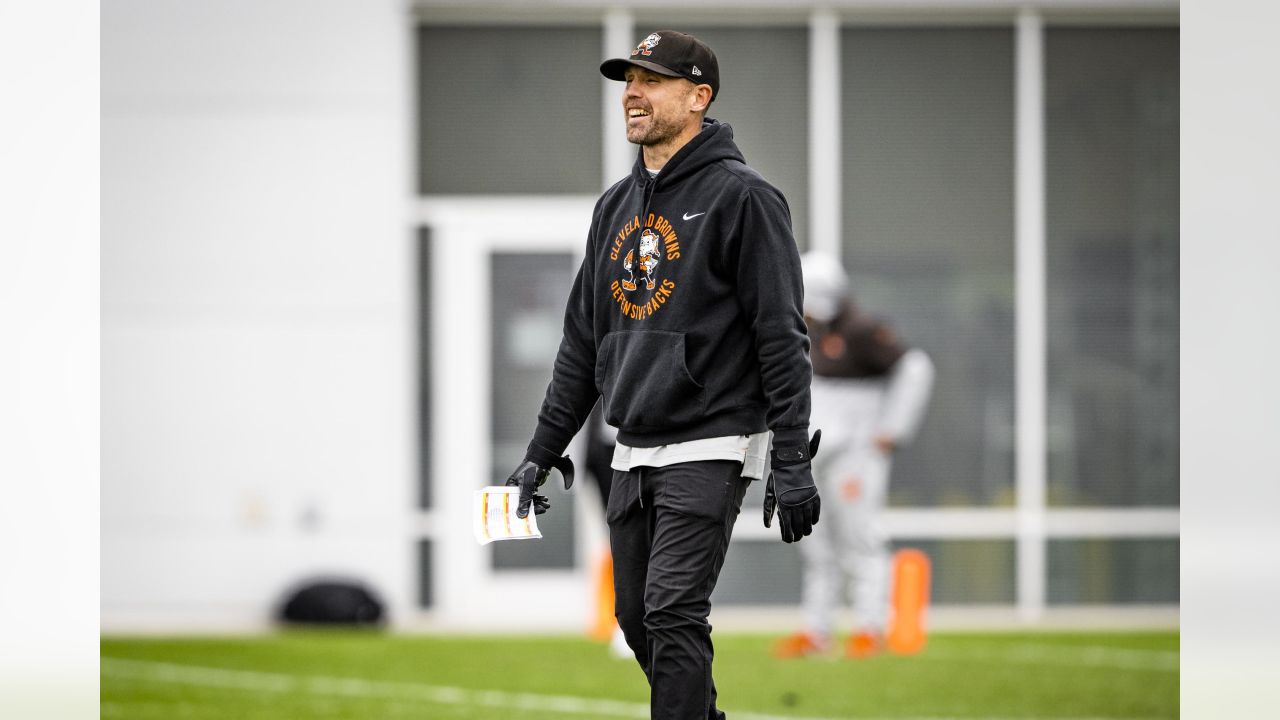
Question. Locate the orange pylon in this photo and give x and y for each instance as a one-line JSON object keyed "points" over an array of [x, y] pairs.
{"points": [[910, 601], [603, 622]]}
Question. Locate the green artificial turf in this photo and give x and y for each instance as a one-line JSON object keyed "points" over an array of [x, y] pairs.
{"points": [[326, 674]]}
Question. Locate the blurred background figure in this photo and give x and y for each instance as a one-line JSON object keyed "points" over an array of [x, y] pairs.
{"points": [[869, 395]]}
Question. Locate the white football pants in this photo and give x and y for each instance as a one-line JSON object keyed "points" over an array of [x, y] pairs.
{"points": [[849, 543]]}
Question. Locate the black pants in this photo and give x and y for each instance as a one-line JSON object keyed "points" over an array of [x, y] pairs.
{"points": [[669, 528]]}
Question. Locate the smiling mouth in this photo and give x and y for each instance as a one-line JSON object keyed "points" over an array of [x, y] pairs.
{"points": [[636, 113]]}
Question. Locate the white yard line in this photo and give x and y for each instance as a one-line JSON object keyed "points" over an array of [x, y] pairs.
{"points": [[257, 681]]}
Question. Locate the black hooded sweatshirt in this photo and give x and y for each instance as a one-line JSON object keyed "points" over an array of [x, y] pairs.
{"points": [[685, 315]]}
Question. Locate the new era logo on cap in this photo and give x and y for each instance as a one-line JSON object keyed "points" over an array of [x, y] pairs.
{"points": [[670, 53]]}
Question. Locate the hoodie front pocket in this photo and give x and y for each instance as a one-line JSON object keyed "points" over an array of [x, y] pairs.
{"points": [[646, 382]]}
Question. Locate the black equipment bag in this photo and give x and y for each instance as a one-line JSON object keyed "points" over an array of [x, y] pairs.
{"points": [[332, 603]]}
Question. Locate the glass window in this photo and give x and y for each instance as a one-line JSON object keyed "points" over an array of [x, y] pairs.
{"points": [[1112, 173], [764, 95], [928, 222], [509, 110], [426, 573], [527, 298], [759, 572], [769, 572], [1097, 571], [968, 571]]}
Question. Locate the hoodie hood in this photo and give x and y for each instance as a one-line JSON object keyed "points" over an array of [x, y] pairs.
{"points": [[713, 144]]}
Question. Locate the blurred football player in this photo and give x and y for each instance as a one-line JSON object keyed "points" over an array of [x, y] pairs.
{"points": [[869, 395]]}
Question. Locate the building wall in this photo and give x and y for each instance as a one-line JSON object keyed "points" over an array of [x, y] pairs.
{"points": [[257, 343]]}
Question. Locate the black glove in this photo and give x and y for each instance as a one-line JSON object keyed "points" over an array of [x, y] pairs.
{"points": [[530, 476], [792, 491]]}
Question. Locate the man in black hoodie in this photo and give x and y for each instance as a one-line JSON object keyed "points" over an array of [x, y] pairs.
{"points": [[686, 321]]}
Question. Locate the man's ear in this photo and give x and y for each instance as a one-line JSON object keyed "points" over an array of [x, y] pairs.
{"points": [[700, 98]]}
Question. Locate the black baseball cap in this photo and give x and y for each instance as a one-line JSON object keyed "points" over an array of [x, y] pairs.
{"points": [[670, 53]]}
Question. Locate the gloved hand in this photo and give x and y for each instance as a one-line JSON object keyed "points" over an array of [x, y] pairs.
{"points": [[530, 476], [792, 491]]}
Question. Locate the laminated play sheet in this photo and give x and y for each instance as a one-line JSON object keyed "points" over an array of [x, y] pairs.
{"points": [[495, 516]]}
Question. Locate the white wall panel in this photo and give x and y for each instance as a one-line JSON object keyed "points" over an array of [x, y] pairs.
{"points": [[257, 318]]}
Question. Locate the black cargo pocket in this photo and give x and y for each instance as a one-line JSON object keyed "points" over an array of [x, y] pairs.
{"points": [[646, 382], [711, 491]]}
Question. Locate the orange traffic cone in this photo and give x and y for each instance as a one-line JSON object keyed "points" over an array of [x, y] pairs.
{"points": [[603, 623], [910, 601]]}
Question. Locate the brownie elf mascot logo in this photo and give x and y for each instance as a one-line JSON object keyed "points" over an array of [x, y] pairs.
{"points": [[638, 287], [646, 45], [648, 260]]}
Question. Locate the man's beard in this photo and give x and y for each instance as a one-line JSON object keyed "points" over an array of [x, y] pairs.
{"points": [[659, 131]]}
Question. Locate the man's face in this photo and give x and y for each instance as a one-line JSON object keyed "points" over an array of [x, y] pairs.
{"points": [[657, 107]]}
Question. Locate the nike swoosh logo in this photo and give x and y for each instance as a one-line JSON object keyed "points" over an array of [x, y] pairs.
{"points": [[687, 216]]}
